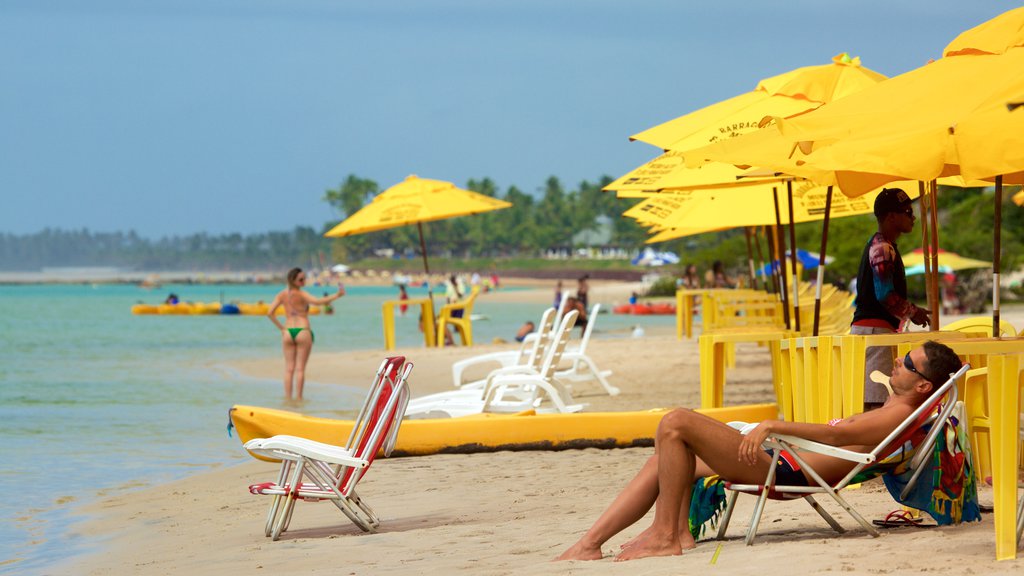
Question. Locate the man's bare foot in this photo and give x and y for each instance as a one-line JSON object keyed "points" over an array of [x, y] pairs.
{"points": [[579, 551], [653, 545]]}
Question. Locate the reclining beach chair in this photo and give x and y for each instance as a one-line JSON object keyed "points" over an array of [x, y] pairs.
{"points": [[313, 471], [891, 451], [532, 346], [513, 389], [583, 367]]}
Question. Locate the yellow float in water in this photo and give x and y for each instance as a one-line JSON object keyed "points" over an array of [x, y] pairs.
{"points": [[488, 432], [199, 308]]}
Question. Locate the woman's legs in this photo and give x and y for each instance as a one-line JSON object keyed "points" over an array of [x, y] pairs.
{"points": [[303, 346], [289, 363], [683, 435]]}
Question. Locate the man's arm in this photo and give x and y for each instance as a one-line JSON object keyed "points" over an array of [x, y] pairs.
{"points": [[866, 429], [882, 257]]}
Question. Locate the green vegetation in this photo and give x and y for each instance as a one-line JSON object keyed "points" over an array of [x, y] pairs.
{"points": [[516, 238]]}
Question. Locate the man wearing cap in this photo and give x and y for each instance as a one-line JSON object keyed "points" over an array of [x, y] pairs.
{"points": [[882, 303]]}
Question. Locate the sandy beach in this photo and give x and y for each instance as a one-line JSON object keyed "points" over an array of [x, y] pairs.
{"points": [[506, 512]]}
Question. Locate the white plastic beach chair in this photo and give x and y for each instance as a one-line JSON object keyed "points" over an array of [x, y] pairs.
{"points": [[907, 437], [314, 471], [583, 367], [506, 358], [509, 390]]}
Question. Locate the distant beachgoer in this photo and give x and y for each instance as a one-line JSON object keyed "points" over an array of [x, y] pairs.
{"points": [[328, 308], [573, 303], [558, 294], [633, 298], [296, 334], [525, 329], [494, 280], [582, 292], [717, 278], [172, 298], [403, 296], [453, 292], [690, 279]]}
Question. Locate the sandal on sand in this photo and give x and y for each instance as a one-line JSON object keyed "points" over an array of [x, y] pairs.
{"points": [[900, 518]]}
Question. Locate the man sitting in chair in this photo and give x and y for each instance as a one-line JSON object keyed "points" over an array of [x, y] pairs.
{"points": [[689, 445]]}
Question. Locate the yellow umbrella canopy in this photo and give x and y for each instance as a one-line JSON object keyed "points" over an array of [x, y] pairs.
{"points": [[908, 126], [685, 213], [786, 94], [416, 200], [413, 201]]}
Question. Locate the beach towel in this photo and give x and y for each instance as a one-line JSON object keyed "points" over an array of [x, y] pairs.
{"points": [[706, 504], [946, 489]]}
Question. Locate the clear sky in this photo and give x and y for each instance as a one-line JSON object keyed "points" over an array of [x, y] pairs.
{"points": [[176, 117]]}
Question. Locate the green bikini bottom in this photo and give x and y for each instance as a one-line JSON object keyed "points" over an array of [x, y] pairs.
{"points": [[293, 332]]}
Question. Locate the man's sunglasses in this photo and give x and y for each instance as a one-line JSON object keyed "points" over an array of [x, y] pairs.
{"points": [[909, 365]]}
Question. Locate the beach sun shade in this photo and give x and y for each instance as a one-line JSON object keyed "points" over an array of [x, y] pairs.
{"points": [[416, 200], [790, 93]]}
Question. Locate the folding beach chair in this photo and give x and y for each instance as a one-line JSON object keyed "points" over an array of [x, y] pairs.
{"points": [[909, 436], [313, 471]]}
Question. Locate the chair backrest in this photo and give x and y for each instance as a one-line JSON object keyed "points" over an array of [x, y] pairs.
{"points": [[912, 428], [980, 325], [378, 423], [591, 320], [540, 341], [559, 338]]}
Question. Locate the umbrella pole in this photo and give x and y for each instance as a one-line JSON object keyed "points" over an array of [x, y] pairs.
{"points": [[426, 267], [926, 245], [750, 258], [821, 261], [933, 206], [792, 247], [780, 247], [996, 252], [760, 257]]}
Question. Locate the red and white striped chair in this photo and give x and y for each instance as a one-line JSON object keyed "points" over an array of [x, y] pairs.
{"points": [[313, 471]]}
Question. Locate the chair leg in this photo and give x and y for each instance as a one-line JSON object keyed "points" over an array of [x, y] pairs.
{"points": [[730, 505], [825, 515], [856, 515], [275, 503], [284, 515]]}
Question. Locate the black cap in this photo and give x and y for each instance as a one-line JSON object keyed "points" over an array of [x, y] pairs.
{"points": [[892, 200]]}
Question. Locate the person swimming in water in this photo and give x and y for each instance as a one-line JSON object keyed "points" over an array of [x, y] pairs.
{"points": [[296, 334]]}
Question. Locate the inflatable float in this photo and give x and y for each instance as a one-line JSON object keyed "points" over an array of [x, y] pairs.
{"points": [[644, 309], [487, 432], [201, 308]]}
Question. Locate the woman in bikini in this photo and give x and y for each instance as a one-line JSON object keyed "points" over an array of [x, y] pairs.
{"points": [[296, 335]]}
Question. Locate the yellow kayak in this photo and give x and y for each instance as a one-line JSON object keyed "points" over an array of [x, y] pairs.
{"points": [[488, 432]]}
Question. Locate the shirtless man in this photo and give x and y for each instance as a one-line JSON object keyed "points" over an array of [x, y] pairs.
{"points": [[689, 445], [296, 334]]}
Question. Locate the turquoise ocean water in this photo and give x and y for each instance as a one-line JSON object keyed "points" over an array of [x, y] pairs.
{"points": [[95, 401]]}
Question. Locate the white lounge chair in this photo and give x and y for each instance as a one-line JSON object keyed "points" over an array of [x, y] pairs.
{"points": [[313, 471], [506, 358], [890, 451], [578, 356], [513, 389]]}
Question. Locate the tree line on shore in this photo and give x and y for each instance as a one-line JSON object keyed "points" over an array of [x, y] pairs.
{"points": [[545, 220]]}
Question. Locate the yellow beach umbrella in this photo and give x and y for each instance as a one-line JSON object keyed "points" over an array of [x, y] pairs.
{"points": [[415, 201], [787, 94]]}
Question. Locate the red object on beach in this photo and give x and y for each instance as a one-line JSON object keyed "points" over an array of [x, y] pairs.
{"points": [[645, 309]]}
